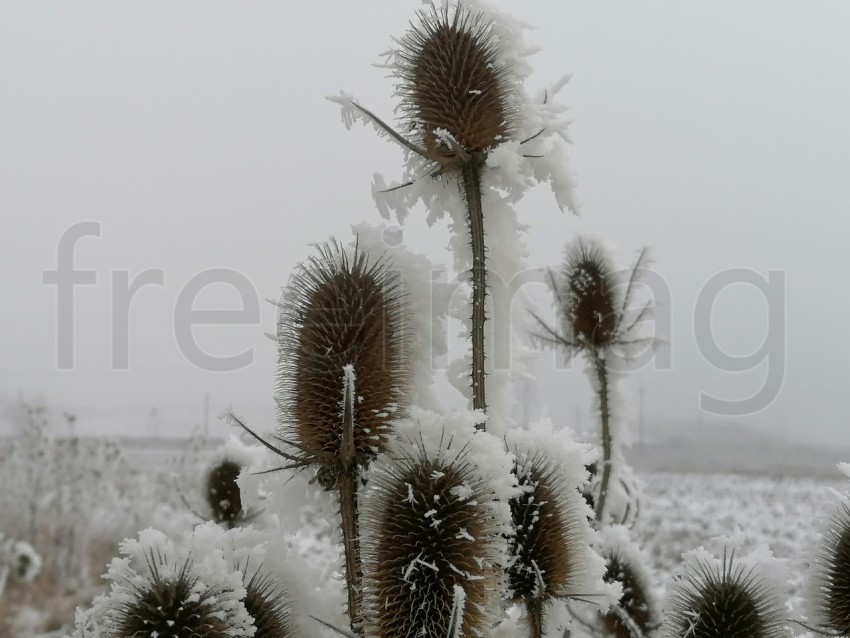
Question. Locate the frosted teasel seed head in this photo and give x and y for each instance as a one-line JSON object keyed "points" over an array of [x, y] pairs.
{"points": [[341, 310], [432, 546], [455, 90], [548, 550], [637, 612], [724, 600], [161, 588], [270, 607], [829, 596], [172, 605], [592, 304], [222, 492]]}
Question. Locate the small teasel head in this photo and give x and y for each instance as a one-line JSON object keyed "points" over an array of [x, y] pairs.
{"points": [[548, 549], [222, 492], [637, 613], [431, 547], [588, 292], [455, 89], [342, 312], [829, 595], [270, 607], [721, 599], [171, 603], [24, 561]]}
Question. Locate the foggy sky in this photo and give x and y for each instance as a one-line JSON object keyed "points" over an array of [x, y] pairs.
{"points": [[198, 136]]}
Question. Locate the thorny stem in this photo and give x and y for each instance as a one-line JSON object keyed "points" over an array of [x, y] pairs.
{"points": [[604, 413], [348, 511], [534, 610], [471, 177]]}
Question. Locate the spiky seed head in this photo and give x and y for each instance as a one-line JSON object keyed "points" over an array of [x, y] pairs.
{"points": [[223, 495], [453, 82], [172, 605], [589, 309], [547, 558], [724, 601], [270, 608], [342, 311], [831, 595], [428, 529], [637, 606]]}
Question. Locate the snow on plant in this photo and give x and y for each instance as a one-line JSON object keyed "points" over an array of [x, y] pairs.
{"points": [[161, 588], [550, 555], [434, 531], [427, 299], [636, 613], [211, 583], [728, 596], [477, 142]]}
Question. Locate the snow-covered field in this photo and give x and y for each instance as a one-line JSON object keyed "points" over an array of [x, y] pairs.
{"points": [[678, 512]]}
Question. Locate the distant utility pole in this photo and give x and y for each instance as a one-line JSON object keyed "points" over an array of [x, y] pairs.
{"points": [[641, 392], [206, 415]]}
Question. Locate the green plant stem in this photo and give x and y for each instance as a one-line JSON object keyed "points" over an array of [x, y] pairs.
{"points": [[534, 610], [604, 413], [348, 510], [471, 177]]}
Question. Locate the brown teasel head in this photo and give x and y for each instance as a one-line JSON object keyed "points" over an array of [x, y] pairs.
{"points": [[428, 528], [547, 557], [453, 81], [223, 495], [171, 606], [636, 606], [831, 599], [342, 310], [724, 601], [270, 608], [590, 303]]}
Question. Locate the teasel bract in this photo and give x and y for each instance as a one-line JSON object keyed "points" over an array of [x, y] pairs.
{"points": [[594, 318], [343, 377], [222, 491], [432, 546], [548, 558], [721, 599], [829, 588], [458, 105]]}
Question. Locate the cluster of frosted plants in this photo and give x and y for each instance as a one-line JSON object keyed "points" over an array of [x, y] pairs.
{"points": [[375, 512]]}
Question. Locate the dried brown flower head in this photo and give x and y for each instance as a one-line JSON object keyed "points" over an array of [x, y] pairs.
{"points": [[429, 548], [547, 551], [171, 606], [635, 609], [341, 311], [455, 91], [269, 606], [223, 495], [724, 601]]}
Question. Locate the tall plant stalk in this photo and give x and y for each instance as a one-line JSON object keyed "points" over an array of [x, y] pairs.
{"points": [[471, 177], [605, 423]]}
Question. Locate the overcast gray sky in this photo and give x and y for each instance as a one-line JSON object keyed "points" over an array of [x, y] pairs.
{"points": [[198, 136]]}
